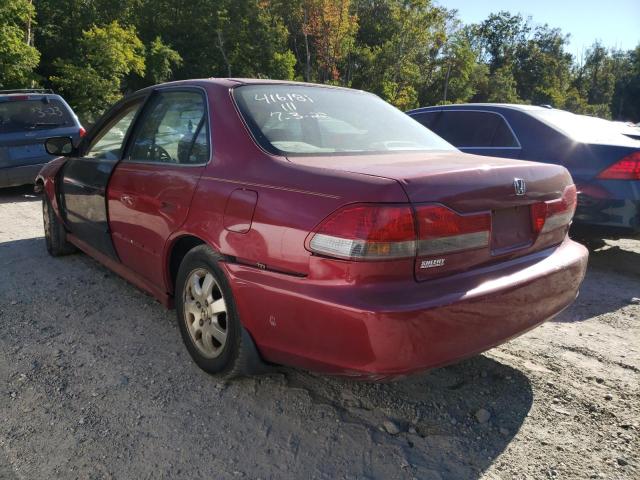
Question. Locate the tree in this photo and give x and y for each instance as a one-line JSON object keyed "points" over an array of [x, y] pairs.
{"points": [[94, 81], [626, 97], [18, 58], [502, 86], [397, 59], [332, 28], [458, 76], [160, 62], [410, 52], [499, 36], [542, 68]]}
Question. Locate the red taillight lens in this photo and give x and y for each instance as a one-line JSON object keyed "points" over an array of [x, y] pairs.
{"points": [[367, 232], [548, 216], [538, 216], [626, 169], [441, 230], [83, 132]]}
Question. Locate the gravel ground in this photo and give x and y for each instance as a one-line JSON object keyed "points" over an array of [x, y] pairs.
{"points": [[95, 383]]}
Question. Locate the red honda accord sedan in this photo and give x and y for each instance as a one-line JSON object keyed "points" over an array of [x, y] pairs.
{"points": [[313, 226]]}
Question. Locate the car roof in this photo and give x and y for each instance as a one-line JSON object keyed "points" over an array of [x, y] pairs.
{"points": [[228, 82], [34, 95], [482, 106]]}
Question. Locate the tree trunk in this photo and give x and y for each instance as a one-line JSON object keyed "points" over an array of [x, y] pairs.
{"points": [[446, 83], [224, 54], [307, 66]]}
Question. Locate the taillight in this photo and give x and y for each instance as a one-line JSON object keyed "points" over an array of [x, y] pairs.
{"points": [[441, 230], [626, 169], [548, 216], [367, 232], [83, 132]]}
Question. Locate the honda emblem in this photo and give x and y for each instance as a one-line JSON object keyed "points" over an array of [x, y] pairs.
{"points": [[520, 186]]}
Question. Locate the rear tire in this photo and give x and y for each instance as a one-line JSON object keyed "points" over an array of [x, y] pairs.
{"points": [[207, 316], [54, 233]]}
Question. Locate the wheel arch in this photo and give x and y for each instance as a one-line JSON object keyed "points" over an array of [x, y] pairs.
{"points": [[177, 249]]}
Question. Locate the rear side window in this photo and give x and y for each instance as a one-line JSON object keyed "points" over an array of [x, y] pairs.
{"points": [[466, 129], [426, 118], [173, 129], [34, 114]]}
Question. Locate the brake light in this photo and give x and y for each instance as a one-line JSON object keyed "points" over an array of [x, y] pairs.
{"points": [[441, 230], [18, 98], [367, 232], [548, 216], [83, 132], [626, 169]]}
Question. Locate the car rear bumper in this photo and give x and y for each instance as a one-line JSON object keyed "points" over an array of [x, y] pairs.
{"points": [[378, 331], [21, 175], [608, 209]]}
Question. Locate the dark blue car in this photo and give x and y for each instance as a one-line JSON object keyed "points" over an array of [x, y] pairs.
{"points": [[27, 118], [604, 163]]}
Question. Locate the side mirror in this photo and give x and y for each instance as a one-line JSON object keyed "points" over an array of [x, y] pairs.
{"points": [[59, 146]]}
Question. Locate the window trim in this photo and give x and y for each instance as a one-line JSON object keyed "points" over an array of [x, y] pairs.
{"points": [[143, 113], [478, 110]]}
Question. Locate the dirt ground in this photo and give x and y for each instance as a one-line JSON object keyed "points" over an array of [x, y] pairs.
{"points": [[95, 383]]}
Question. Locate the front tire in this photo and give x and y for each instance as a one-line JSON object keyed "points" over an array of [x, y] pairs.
{"points": [[207, 316], [54, 233]]}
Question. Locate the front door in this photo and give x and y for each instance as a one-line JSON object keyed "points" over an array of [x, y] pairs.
{"points": [[85, 179], [151, 189]]}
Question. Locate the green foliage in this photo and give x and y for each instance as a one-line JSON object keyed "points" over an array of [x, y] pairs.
{"points": [[502, 86], [94, 81], [18, 59], [410, 52], [398, 58], [160, 62]]}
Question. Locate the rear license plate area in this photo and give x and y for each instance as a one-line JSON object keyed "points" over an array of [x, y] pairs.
{"points": [[511, 229]]}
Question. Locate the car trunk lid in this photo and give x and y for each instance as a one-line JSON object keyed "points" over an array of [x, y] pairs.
{"points": [[489, 203]]}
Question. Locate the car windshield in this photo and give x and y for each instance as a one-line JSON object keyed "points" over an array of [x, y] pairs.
{"points": [[582, 128], [17, 115], [299, 120]]}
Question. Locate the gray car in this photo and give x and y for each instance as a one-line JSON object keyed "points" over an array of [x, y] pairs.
{"points": [[27, 118]]}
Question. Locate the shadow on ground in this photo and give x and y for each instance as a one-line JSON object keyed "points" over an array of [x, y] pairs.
{"points": [[607, 286], [102, 386], [24, 193]]}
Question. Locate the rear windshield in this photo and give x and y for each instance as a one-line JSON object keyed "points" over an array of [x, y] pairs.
{"points": [[582, 128], [18, 115], [297, 120]]}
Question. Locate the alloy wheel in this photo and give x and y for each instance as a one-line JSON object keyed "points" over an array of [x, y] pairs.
{"points": [[205, 313]]}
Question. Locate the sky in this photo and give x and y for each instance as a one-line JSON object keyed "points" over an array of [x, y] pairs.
{"points": [[614, 22]]}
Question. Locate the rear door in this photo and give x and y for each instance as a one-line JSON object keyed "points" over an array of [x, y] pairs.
{"points": [[85, 179], [474, 131], [151, 189]]}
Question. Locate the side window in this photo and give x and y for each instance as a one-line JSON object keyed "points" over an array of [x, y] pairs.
{"points": [[173, 130], [107, 144], [503, 136], [427, 118], [467, 129]]}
